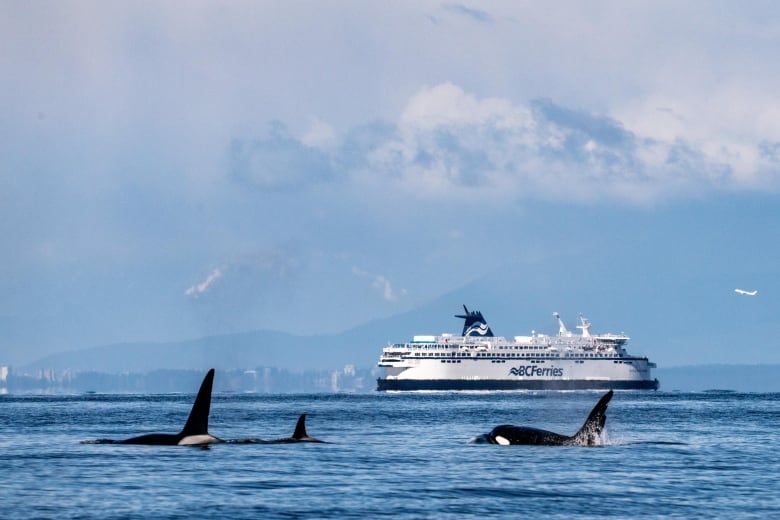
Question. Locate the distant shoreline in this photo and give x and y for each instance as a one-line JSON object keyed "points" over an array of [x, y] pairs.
{"points": [[687, 378], [720, 376]]}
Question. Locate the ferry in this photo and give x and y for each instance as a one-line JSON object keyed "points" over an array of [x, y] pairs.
{"points": [[478, 360]]}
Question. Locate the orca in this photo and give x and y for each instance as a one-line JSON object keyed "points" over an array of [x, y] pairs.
{"points": [[507, 434], [195, 431], [299, 435]]}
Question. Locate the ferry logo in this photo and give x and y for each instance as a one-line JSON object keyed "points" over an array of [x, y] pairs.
{"points": [[535, 371], [478, 329], [474, 324]]}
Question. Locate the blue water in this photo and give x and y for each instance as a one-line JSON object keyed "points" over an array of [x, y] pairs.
{"points": [[711, 455]]}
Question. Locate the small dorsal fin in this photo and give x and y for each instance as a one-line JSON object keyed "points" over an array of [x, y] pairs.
{"points": [[300, 428], [198, 421]]}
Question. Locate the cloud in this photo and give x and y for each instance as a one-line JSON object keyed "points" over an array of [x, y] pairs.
{"points": [[451, 140], [320, 135], [475, 14], [196, 290], [381, 284], [280, 161], [448, 144]]}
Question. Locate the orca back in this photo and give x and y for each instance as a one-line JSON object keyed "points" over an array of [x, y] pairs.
{"points": [[151, 439], [195, 431], [588, 435], [508, 434]]}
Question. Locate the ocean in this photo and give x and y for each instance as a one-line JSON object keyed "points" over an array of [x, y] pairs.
{"points": [[393, 455]]}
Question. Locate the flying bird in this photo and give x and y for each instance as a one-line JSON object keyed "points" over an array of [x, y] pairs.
{"points": [[746, 293]]}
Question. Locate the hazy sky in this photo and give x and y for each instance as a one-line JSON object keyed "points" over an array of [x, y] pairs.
{"points": [[174, 169]]}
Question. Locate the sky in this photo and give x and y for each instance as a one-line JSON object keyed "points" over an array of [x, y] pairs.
{"points": [[176, 169]]}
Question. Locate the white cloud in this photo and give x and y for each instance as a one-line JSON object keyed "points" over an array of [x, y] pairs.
{"points": [[320, 135], [196, 290], [384, 285], [381, 284], [450, 142]]}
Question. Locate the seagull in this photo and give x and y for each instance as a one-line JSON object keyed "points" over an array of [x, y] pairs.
{"points": [[746, 293]]}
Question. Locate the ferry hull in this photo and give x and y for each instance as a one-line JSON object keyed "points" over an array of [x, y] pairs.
{"points": [[507, 384]]}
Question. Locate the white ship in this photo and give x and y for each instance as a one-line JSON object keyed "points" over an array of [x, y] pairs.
{"points": [[478, 360]]}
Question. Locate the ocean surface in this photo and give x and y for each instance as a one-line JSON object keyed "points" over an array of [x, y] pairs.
{"points": [[708, 455]]}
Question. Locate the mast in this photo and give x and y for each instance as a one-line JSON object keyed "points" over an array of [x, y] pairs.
{"points": [[562, 330], [585, 326]]}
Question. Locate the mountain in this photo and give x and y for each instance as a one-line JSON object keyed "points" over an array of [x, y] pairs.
{"points": [[691, 319], [360, 346], [245, 350]]}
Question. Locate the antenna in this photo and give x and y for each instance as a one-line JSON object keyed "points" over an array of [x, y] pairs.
{"points": [[585, 326]]}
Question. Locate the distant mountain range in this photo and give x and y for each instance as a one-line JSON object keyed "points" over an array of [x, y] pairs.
{"points": [[722, 328], [244, 350], [360, 346]]}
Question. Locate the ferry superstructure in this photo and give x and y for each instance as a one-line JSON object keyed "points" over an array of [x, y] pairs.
{"points": [[478, 360]]}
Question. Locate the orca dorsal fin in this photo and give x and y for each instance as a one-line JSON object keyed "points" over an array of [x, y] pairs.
{"points": [[300, 428], [198, 421], [594, 424]]}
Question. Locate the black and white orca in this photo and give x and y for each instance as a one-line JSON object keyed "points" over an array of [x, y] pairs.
{"points": [[299, 435], [588, 435], [195, 431]]}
